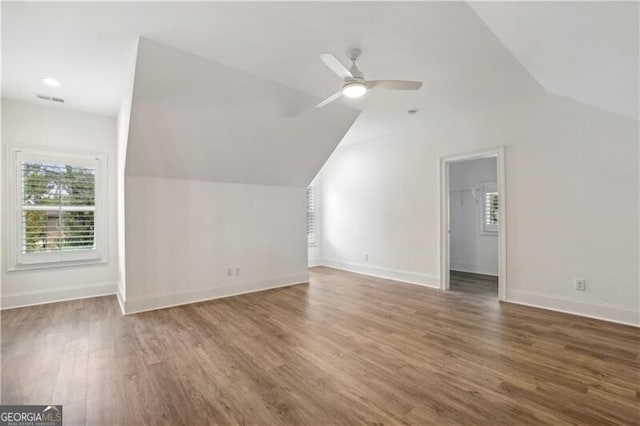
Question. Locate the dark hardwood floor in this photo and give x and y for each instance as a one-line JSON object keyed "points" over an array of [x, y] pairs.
{"points": [[346, 349], [466, 282]]}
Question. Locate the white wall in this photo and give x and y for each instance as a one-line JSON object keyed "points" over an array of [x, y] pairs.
{"points": [[204, 143], [123, 121], [183, 235], [33, 126], [123, 138], [572, 202], [471, 249]]}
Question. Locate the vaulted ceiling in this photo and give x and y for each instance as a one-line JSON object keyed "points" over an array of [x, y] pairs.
{"points": [[196, 119], [473, 53], [586, 51]]}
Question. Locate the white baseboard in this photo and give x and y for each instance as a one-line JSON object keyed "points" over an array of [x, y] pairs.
{"points": [[417, 278], [21, 299], [133, 305], [586, 308], [474, 268]]}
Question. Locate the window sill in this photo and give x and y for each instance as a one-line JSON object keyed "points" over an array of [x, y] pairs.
{"points": [[55, 265]]}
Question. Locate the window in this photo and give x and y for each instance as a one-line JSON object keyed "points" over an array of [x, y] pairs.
{"points": [[58, 216], [311, 217], [490, 209]]}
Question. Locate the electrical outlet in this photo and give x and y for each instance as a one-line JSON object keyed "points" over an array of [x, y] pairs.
{"points": [[237, 272], [581, 284], [366, 257], [229, 272]]}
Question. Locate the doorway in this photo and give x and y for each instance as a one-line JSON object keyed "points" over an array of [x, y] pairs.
{"points": [[473, 224]]}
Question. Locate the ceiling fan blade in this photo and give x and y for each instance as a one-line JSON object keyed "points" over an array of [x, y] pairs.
{"points": [[394, 85], [330, 99], [335, 65]]}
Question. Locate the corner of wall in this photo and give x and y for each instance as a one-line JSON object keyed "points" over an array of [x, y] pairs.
{"points": [[315, 261], [121, 296], [123, 122]]}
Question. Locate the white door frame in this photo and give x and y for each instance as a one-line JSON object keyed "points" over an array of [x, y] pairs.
{"points": [[498, 154]]}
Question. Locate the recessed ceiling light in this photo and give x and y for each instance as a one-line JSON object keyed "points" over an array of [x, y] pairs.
{"points": [[51, 82]]}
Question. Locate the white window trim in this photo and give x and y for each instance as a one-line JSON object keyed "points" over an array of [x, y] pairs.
{"points": [[15, 260], [484, 228]]}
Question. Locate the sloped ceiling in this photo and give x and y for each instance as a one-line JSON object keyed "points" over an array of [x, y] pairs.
{"points": [[468, 54], [195, 119], [586, 51], [443, 44]]}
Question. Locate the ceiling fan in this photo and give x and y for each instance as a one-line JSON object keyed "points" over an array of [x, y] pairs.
{"points": [[355, 85]]}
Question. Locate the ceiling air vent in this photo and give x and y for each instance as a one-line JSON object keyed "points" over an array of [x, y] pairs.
{"points": [[49, 98]]}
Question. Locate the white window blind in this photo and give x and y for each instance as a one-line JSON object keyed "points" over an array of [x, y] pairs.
{"points": [[57, 216], [311, 216], [58, 206], [490, 216]]}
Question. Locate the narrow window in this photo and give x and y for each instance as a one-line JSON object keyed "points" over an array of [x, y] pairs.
{"points": [[490, 210], [311, 217]]}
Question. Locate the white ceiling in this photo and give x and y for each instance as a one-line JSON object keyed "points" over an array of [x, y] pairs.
{"points": [[445, 44], [86, 46], [78, 44], [587, 51], [195, 119]]}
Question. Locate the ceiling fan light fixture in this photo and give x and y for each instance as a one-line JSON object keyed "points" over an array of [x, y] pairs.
{"points": [[354, 90]]}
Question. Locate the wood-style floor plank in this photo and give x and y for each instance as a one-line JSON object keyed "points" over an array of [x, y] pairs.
{"points": [[345, 349]]}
